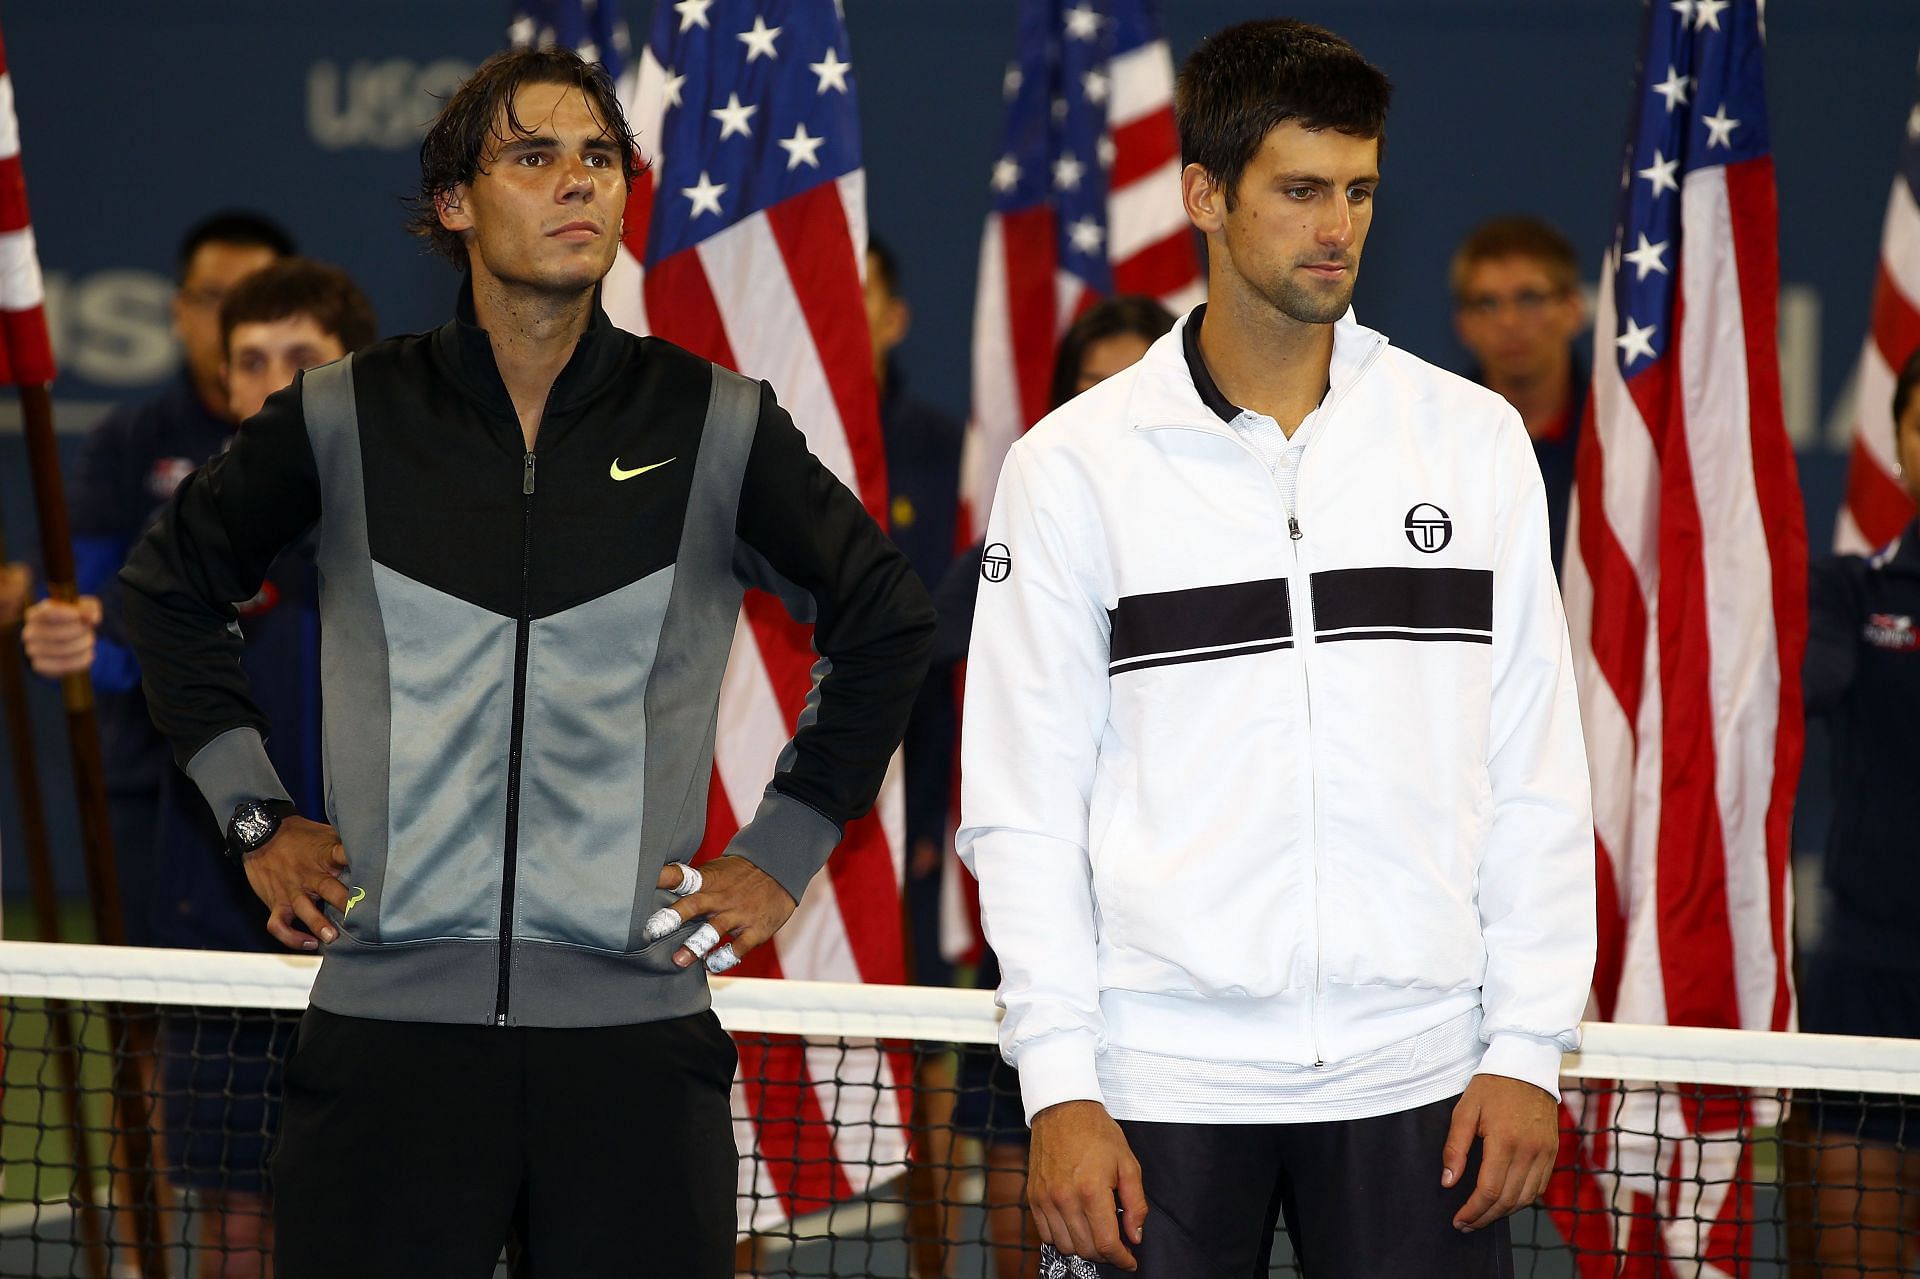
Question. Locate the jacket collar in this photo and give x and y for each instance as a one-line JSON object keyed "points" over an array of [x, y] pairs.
{"points": [[466, 353], [1165, 394]]}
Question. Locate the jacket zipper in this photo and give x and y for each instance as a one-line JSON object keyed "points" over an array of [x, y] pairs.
{"points": [[523, 635]]}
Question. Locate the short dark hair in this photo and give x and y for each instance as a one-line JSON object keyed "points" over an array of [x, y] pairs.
{"points": [[1243, 82], [241, 227], [882, 259], [301, 286], [1903, 390], [1128, 313], [450, 154], [1517, 236]]}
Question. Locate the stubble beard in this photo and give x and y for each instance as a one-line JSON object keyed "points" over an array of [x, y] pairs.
{"points": [[1305, 304]]}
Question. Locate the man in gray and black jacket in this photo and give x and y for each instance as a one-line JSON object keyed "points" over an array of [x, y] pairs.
{"points": [[534, 531]]}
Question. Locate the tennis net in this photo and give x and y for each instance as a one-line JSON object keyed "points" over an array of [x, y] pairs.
{"points": [[880, 1139]]}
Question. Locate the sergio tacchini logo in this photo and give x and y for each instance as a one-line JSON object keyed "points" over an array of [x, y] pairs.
{"points": [[620, 473]]}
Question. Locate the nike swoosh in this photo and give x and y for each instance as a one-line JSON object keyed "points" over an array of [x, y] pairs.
{"points": [[617, 473]]}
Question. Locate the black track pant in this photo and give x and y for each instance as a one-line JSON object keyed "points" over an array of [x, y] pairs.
{"points": [[1361, 1199], [413, 1151]]}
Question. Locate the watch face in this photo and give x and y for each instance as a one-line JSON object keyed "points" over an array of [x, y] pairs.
{"points": [[252, 824]]}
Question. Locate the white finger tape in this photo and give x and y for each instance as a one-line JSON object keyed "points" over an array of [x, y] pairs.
{"points": [[704, 939], [690, 880], [660, 923], [722, 958]]}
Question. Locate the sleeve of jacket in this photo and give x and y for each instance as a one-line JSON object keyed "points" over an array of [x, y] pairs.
{"points": [[212, 546], [804, 537], [1036, 707], [1537, 907], [1833, 620]]}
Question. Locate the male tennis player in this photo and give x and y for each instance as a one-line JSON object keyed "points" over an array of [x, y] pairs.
{"points": [[1274, 780], [534, 531]]}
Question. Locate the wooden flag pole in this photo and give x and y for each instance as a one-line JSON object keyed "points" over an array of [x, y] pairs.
{"points": [[46, 912], [90, 786]]}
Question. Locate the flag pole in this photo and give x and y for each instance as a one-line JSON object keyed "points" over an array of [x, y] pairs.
{"points": [[33, 829], [89, 781]]}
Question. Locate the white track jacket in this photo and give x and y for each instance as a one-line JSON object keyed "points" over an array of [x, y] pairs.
{"points": [[1233, 795]]}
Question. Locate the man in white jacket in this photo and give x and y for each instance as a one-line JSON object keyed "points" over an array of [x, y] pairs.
{"points": [[1274, 782]]}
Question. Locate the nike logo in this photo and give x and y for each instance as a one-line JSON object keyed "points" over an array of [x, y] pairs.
{"points": [[620, 474], [359, 895]]}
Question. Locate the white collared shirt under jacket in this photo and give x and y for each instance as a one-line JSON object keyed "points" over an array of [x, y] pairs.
{"points": [[1296, 805]]}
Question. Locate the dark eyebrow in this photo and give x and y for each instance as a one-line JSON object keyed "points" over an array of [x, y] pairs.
{"points": [[604, 143], [530, 142]]}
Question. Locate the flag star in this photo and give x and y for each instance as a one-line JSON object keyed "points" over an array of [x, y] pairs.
{"points": [[1719, 128], [521, 31], [1096, 86], [801, 148], [1086, 235], [1636, 341], [1067, 172], [832, 72], [672, 90], [589, 52], [1107, 150], [705, 196], [1685, 9], [693, 13], [1708, 13], [1660, 173], [733, 118], [1647, 257], [1083, 22], [1006, 173], [1010, 83], [759, 40], [1059, 108], [1673, 88]]}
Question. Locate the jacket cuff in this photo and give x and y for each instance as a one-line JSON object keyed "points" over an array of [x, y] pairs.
{"points": [[234, 767], [1523, 1057], [1058, 1068], [788, 840]]}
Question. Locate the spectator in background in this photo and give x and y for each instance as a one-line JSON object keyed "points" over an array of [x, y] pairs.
{"points": [[923, 485], [1863, 676], [1517, 310], [1106, 338], [128, 469]]}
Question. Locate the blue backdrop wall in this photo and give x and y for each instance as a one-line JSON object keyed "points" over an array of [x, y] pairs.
{"points": [[138, 119]]}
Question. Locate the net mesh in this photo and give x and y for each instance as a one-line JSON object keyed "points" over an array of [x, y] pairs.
{"points": [[880, 1137]]}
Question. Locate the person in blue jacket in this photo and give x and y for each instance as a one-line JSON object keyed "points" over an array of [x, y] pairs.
{"points": [[1862, 676]]}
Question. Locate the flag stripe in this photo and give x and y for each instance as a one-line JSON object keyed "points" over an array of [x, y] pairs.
{"points": [[1032, 295], [1144, 146]]}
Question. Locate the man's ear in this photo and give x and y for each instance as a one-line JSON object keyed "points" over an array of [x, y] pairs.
{"points": [[451, 206], [1206, 202]]}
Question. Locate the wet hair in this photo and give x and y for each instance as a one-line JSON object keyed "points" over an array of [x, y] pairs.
{"points": [[470, 121], [301, 286], [1243, 82], [1904, 389], [1128, 313], [1518, 236], [240, 227]]}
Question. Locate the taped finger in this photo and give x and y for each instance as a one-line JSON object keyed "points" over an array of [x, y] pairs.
{"points": [[704, 939], [722, 958], [690, 880], [660, 923]]}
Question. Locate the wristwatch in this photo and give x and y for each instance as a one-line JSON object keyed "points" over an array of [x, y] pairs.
{"points": [[254, 822]]}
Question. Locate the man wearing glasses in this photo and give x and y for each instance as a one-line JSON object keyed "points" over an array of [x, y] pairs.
{"points": [[1517, 309]]}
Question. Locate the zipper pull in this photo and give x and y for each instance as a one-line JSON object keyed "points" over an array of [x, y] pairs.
{"points": [[1293, 525], [526, 477]]}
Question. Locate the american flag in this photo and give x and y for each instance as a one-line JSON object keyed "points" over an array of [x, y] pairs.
{"points": [[746, 242], [1877, 506], [1686, 598], [1086, 204], [26, 351]]}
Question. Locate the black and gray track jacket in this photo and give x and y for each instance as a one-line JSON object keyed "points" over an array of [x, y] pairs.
{"points": [[522, 655]]}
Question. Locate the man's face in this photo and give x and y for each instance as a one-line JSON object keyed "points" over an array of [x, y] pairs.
{"points": [[887, 315], [263, 357], [543, 212], [211, 274], [1514, 318], [1300, 217], [1106, 356]]}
